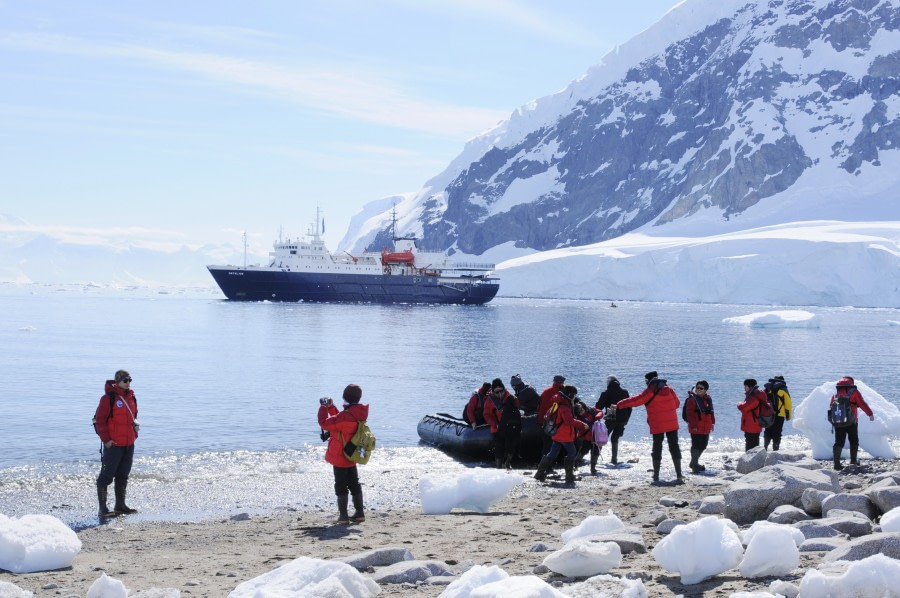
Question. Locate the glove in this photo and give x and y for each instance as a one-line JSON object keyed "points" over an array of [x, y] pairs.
{"points": [[787, 414], [326, 401]]}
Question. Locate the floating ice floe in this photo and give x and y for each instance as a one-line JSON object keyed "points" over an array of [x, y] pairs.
{"points": [[811, 418], [699, 550], [477, 490], [893, 322], [788, 318], [306, 576], [877, 575], [36, 543]]}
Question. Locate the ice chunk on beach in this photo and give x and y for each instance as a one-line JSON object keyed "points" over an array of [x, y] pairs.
{"points": [[476, 489], [308, 577], [11, 590], [747, 536], [890, 521], [477, 576], [877, 575], [772, 550], [520, 586], [699, 550], [811, 418], [787, 318], [36, 543], [583, 557], [107, 587], [592, 525]]}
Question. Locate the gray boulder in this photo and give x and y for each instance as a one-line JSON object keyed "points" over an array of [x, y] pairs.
{"points": [[379, 557], [849, 502], [668, 525], [888, 475], [823, 544], [671, 501], [811, 500], [856, 550], [788, 514], [629, 540], [884, 498], [752, 460], [757, 494], [816, 529], [650, 518], [411, 572], [712, 505], [848, 524]]}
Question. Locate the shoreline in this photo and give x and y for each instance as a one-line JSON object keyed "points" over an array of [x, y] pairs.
{"points": [[211, 558]]}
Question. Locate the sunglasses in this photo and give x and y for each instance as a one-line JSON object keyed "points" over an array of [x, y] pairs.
{"points": [[126, 380]]}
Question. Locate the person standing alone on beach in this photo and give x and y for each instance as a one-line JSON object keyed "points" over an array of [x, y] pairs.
{"points": [[662, 416], [115, 421], [342, 426]]}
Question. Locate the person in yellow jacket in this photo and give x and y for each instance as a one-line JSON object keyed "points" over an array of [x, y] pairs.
{"points": [[778, 395]]}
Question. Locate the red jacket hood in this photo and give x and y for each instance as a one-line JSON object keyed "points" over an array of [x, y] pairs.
{"points": [[359, 410]]}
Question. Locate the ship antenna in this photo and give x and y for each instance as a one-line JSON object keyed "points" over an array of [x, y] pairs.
{"points": [[245, 249], [394, 222]]}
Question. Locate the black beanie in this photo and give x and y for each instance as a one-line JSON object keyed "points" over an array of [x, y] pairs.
{"points": [[352, 394], [750, 382], [650, 376], [497, 383], [703, 383], [486, 387]]}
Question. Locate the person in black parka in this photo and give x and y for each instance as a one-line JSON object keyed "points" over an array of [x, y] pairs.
{"points": [[616, 419]]}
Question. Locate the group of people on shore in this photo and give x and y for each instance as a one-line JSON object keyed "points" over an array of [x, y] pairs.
{"points": [[568, 424]]}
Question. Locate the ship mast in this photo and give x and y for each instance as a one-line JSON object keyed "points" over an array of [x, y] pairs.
{"points": [[245, 249]]}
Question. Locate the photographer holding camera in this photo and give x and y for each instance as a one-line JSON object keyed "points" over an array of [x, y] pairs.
{"points": [[337, 429]]}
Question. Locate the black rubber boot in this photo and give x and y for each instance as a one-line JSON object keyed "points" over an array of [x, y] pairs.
{"points": [[853, 452], [507, 464], [569, 465], [695, 461], [657, 461], [837, 458], [594, 456], [542, 469], [498, 462], [766, 443], [614, 459], [358, 515], [775, 444], [121, 507], [343, 517], [104, 512], [679, 479]]}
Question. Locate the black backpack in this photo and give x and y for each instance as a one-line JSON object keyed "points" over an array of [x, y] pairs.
{"points": [[510, 417], [840, 412], [772, 387]]}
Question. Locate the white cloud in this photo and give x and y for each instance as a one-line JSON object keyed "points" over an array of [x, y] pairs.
{"points": [[339, 90]]}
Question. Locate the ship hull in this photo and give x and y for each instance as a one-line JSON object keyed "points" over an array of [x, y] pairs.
{"points": [[265, 284]]}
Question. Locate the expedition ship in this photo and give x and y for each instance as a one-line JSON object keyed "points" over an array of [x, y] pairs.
{"points": [[304, 270]]}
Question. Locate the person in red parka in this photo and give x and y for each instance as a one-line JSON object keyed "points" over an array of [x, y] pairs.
{"points": [[116, 423], [662, 416], [473, 414], [846, 389], [750, 413], [564, 437], [585, 442], [548, 397], [502, 413], [342, 426], [701, 420]]}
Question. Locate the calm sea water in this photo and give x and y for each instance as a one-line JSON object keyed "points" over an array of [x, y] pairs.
{"points": [[232, 389]]}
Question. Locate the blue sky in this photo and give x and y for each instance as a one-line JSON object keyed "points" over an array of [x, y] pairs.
{"points": [[187, 122]]}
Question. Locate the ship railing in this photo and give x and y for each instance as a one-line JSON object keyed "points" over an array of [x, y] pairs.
{"points": [[468, 266]]}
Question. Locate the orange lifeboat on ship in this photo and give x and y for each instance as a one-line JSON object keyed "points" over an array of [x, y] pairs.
{"points": [[398, 257]]}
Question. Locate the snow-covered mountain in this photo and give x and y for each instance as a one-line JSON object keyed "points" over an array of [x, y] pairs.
{"points": [[725, 116]]}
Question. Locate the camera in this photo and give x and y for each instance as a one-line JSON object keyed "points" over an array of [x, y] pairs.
{"points": [[326, 401], [325, 435], [136, 425]]}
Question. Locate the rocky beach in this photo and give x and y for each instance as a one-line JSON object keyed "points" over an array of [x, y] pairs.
{"points": [[836, 511]]}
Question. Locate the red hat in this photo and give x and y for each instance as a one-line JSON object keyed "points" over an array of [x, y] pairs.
{"points": [[846, 381]]}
